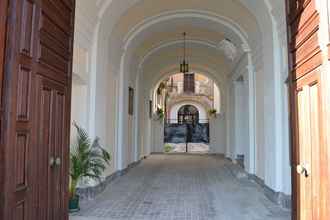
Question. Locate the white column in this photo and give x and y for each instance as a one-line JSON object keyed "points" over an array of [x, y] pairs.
{"points": [[252, 116], [136, 116], [122, 116]]}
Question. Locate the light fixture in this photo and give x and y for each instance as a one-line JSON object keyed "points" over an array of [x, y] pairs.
{"points": [[184, 66]]}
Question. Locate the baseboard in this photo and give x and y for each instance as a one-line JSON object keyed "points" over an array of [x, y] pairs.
{"points": [[89, 193], [277, 197]]}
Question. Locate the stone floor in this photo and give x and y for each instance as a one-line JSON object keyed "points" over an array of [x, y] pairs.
{"points": [[182, 187], [192, 148]]}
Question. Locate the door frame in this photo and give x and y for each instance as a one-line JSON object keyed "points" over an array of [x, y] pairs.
{"points": [[3, 33]]}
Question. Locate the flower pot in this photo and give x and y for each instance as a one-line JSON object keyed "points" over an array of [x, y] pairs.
{"points": [[74, 204]]}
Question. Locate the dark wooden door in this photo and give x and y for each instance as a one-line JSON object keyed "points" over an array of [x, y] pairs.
{"points": [[309, 155], [52, 148], [36, 109], [3, 27]]}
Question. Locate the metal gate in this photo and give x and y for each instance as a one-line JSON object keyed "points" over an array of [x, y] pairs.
{"points": [[186, 132]]}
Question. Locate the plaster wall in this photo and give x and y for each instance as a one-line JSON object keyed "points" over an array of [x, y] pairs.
{"points": [[239, 129], [218, 134]]}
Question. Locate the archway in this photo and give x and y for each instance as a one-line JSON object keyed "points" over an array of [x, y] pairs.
{"points": [[134, 71], [188, 114]]}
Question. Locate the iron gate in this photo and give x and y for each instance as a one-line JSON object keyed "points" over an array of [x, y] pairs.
{"points": [[186, 132]]}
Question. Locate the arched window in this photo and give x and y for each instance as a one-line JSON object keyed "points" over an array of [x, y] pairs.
{"points": [[188, 114]]}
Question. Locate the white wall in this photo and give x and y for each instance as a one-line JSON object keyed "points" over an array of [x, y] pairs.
{"points": [[157, 135], [175, 109], [217, 99], [79, 105], [239, 102], [242, 119], [218, 134]]}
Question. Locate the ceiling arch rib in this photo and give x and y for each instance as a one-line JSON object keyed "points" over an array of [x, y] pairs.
{"points": [[221, 24], [163, 45], [227, 25]]}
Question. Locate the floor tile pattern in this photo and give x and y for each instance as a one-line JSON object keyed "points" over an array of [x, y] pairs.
{"points": [[182, 187]]}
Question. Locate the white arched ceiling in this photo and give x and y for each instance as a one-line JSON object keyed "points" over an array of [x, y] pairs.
{"points": [[131, 20], [122, 19]]}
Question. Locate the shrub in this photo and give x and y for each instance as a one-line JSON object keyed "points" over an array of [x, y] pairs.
{"points": [[168, 148]]}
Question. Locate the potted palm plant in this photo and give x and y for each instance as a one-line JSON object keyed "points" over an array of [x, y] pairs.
{"points": [[87, 160]]}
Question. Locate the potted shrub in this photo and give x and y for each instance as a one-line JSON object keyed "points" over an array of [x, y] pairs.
{"points": [[168, 148], [212, 113], [159, 114], [87, 160]]}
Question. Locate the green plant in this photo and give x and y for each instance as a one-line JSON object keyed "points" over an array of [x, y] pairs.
{"points": [[87, 159], [168, 148], [160, 113], [212, 112]]}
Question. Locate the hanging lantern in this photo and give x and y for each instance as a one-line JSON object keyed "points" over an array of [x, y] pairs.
{"points": [[184, 66]]}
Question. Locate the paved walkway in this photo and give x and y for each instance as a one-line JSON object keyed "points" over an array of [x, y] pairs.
{"points": [[182, 187]]}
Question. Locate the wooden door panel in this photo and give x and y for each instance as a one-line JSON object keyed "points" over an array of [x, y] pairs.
{"points": [[309, 149], [28, 13], [17, 104], [305, 51], [60, 153], [44, 151], [37, 81], [311, 196], [3, 28], [52, 144], [303, 156]]}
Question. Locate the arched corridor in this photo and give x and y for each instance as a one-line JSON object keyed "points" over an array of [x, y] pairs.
{"points": [[239, 47], [165, 109]]}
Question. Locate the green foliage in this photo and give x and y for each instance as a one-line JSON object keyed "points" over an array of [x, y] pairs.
{"points": [[87, 159], [160, 113], [168, 148], [212, 112]]}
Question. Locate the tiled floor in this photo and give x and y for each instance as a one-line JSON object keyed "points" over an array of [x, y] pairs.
{"points": [[182, 187]]}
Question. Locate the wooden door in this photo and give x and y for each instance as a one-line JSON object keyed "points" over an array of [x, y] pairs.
{"points": [[3, 27], [52, 149], [309, 155], [36, 103]]}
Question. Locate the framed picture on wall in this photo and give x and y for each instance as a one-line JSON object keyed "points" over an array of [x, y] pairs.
{"points": [[130, 101], [150, 108]]}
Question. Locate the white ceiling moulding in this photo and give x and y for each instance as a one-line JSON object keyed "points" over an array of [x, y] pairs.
{"points": [[229, 49], [206, 15], [175, 42]]}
